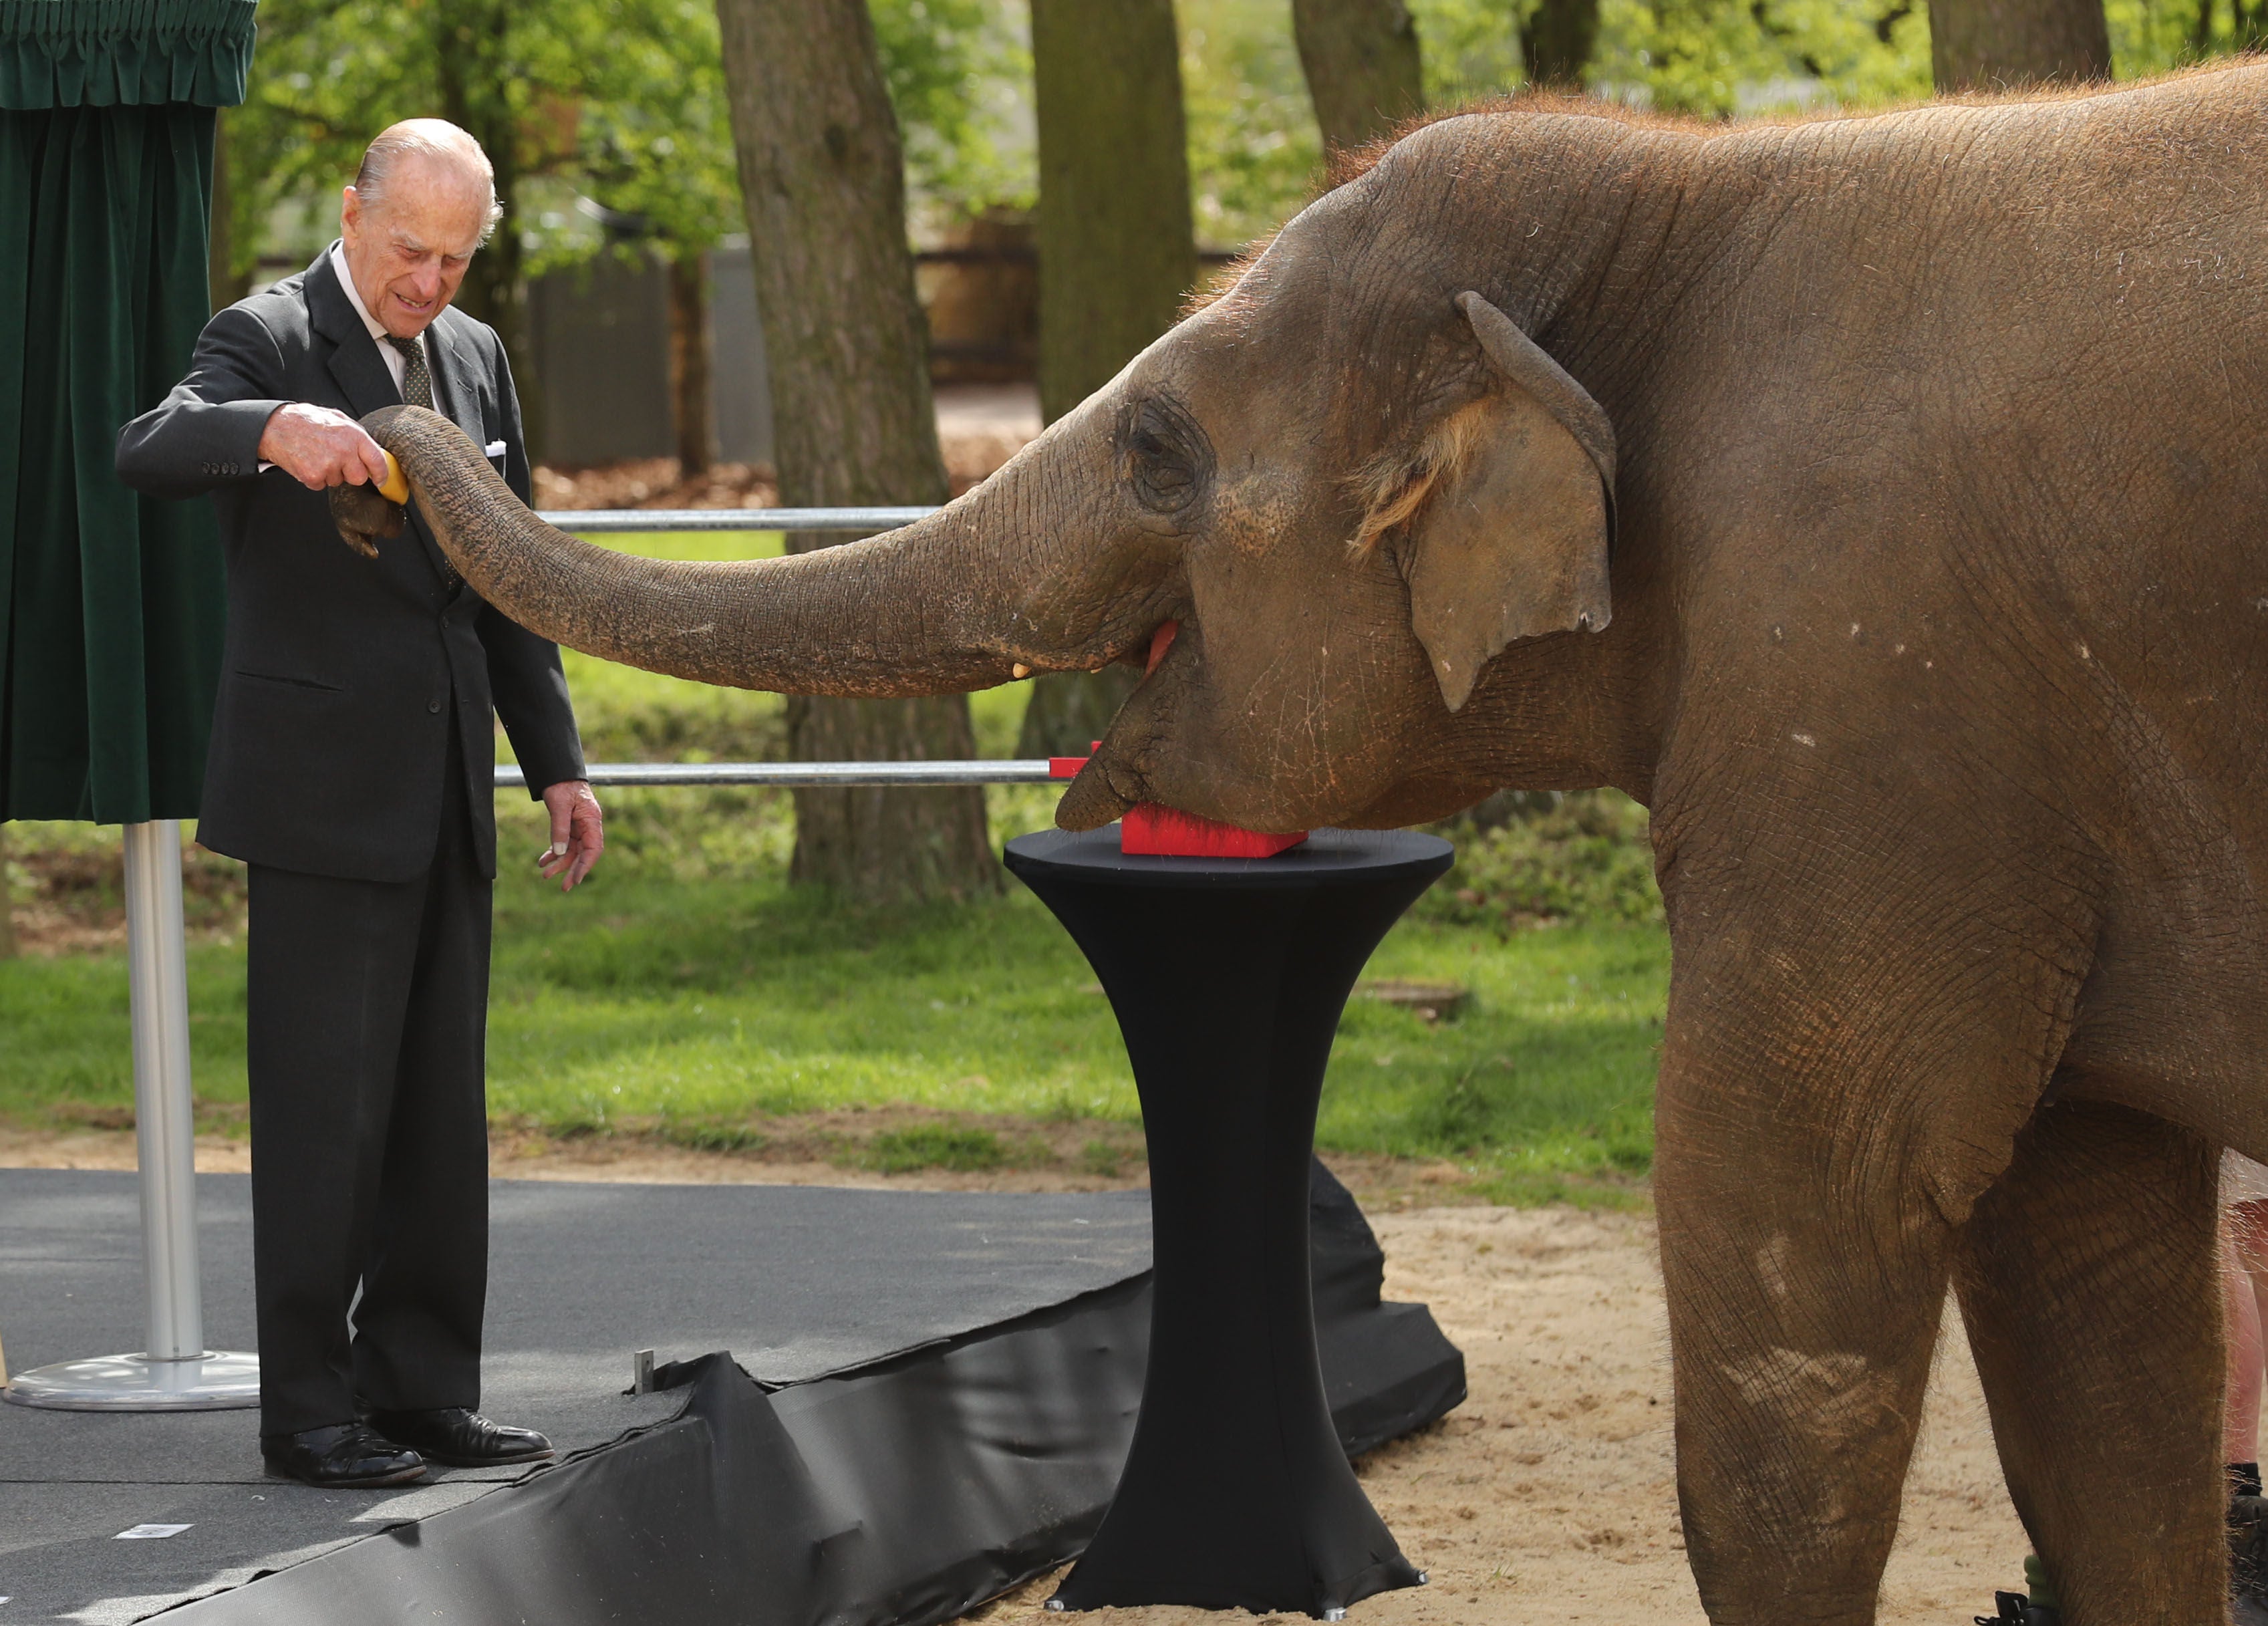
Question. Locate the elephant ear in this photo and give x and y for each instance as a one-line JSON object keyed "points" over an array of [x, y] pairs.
{"points": [[1505, 519]]}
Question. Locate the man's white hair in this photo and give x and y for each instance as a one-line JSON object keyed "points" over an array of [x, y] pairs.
{"points": [[436, 139]]}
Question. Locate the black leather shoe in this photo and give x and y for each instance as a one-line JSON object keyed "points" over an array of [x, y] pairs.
{"points": [[340, 1455], [2018, 1609], [457, 1438], [2248, 1558]]}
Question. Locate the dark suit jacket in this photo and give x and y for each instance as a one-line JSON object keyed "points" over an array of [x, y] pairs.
{"points": [[329, 737]]}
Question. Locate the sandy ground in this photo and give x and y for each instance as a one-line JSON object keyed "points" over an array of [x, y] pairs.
{"points": [[1547, 1498]]}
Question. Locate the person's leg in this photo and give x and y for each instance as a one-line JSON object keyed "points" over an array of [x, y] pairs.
{"points": [[417, 1344], [2244, 1279], [327, 978], [2241, 1410], [2086, 1276]]}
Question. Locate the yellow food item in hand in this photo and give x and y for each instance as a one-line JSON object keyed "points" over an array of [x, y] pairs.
{"points": [[395, 486]]}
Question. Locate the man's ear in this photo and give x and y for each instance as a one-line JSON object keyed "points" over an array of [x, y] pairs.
{"points": [[1508, 536]]}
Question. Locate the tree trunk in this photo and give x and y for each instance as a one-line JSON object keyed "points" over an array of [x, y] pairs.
{"points": [[1117, 248], [823, 176], [1117, 245], [689, 361], [1360, 57], [1986, 44], [1556, 43]]}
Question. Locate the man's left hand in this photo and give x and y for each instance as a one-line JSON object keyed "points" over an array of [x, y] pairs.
{"points": [[578, 833]]}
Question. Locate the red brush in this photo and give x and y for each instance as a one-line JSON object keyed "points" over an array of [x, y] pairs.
{"points": [[1166, 832]]}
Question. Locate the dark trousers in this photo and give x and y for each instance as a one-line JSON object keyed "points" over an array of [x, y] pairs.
{"points": [[367, 1019]]}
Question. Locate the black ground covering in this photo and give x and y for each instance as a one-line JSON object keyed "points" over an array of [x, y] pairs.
{"points": [[928, 1398]]}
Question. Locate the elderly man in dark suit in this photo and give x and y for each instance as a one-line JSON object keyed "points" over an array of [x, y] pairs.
{"points": [[350, 769]]}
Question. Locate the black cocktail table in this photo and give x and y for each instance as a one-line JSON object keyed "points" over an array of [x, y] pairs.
{"points": [[1228, 976]]}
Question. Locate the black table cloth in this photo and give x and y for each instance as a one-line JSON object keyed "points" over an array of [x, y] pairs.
{"points": [[1228, 977]]}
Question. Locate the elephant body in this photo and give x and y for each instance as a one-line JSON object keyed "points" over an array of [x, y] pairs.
{"points": [[1881, 502]]}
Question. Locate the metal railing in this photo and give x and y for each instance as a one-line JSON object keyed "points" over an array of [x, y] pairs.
{"points": [[806, 776], [606, 521], [789, 776]]}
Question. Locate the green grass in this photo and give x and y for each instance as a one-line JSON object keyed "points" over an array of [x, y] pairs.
{"points": [[639, 1001], [687, 992], [935, 1145]]}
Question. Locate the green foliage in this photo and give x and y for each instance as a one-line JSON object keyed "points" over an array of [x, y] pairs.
{"points": [[654, 137], [1256, 157], [1471, 48], [2157, 36], [959, 75], [621, 100], [1255, 150], [1718, 59], [327, 75], [1583, 856]]}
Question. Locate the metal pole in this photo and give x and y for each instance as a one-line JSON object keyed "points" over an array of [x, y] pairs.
{"points": [[604, 521], [165, 1122], [801, 776], [176, 1372]]}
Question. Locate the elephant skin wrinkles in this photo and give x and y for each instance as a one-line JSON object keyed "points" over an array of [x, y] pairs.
{"points": [[1936, 582]]}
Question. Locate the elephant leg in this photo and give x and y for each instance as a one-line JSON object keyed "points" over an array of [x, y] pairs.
{"points": [[2088, 1279], [1805, 1297]]}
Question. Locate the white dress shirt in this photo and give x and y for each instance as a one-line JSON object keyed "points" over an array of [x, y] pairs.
{"points": [[396, 364]]}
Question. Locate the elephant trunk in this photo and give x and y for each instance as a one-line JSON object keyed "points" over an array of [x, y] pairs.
{"points": [[917, 611]]}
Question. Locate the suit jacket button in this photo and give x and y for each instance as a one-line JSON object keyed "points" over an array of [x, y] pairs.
{"points": [[432, 706]]}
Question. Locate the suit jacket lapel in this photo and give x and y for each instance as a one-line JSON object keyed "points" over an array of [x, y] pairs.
{"points": [[452, 371], [354, 362]]}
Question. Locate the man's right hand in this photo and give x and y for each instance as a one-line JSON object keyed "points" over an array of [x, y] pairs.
{"points": [[321, 448]]}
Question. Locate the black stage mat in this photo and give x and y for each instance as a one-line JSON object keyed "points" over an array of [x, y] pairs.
{"points": [[943, 1386]]}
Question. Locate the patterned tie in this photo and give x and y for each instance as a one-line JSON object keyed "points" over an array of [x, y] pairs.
{"points": [[416, 382], [417, 390]]}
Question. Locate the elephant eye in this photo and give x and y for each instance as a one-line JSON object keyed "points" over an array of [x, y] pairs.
{"points": [[1165, 455]]}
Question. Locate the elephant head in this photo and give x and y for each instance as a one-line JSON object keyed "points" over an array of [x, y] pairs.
{"points": [[1317, 508]]}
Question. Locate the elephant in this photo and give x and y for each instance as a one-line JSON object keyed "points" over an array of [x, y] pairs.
{"points": [[1875, 499]]}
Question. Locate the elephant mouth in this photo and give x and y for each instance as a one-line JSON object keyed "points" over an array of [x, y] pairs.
{"points": [[1160, 641], [1110, 783]]}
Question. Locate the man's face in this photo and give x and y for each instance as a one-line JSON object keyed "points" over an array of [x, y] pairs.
{"points": [[408, 251]]}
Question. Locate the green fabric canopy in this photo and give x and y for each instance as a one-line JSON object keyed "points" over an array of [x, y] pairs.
{"points": [[111, 604]]}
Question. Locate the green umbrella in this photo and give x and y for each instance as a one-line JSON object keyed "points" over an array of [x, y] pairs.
{"points": [[111, 604]]}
